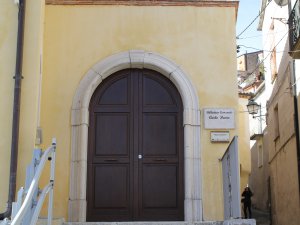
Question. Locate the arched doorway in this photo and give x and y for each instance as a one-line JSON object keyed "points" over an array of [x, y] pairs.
{"points": [[80, 125], [135, 153]]}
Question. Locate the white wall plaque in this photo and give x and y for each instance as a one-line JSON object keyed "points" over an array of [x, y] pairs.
{"points": [[219, 118], [218, 136]]}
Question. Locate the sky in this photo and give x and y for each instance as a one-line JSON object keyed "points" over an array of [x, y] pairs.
{"points": [[248, 11]]}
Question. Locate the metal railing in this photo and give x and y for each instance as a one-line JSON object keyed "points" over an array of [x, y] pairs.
{"points": [[26, 212], [294, 25]]}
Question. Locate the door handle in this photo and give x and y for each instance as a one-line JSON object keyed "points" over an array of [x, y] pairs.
{"points": [[160, 160], [110, 160]]}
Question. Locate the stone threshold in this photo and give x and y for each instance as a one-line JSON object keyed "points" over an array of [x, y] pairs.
{"points": [[226, 222]]}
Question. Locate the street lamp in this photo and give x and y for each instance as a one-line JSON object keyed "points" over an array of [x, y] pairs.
{"points": [[253, 108]]}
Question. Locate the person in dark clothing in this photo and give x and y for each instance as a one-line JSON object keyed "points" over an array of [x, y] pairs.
{"points": [[247, 194]]}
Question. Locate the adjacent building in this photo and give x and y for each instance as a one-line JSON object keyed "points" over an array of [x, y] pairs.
{"points": [[250, 71], [275, 152]]}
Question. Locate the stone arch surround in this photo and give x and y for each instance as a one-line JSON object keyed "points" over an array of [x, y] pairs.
{"points": [[80, 122]]}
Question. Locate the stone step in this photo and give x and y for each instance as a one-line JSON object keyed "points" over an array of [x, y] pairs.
{"points": [[146, 223], [226, 222]]}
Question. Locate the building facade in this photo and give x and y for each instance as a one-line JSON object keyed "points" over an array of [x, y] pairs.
{"points": [[275, 180], [123, 86]]}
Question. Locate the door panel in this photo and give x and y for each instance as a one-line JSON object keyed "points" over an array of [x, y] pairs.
{"points": [[112, 132], [159, 186], [111, 186], [135, 155], [159, 133], [116, 93], [155, 94]]}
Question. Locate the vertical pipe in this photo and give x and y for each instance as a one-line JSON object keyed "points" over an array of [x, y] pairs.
{"points": [[16, 111], [296, 119], [294, 79]]}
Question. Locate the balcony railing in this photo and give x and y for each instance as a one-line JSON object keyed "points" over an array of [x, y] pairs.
{"points": [[294, 29]]}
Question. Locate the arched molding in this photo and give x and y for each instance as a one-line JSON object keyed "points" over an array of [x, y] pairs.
{"points": [[80, 123]]}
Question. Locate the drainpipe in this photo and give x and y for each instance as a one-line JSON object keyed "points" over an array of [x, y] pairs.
{"points": [[296, 119], [16, 112], [296, 114]]}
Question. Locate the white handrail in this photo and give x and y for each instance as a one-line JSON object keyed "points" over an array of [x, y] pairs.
{"points": [[40, 203], [34, 184], [52, 173]]}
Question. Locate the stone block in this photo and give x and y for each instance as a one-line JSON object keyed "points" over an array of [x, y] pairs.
{"points": [[43, 221], [240, 222]]}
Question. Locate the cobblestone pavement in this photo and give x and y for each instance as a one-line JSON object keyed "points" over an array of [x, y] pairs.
{"points": [[261, 217]]}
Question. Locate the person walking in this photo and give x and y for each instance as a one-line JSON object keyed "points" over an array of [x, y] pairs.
{"points": [[247, 194]]}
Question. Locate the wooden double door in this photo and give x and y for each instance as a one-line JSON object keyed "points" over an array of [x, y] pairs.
{"points": [[135, 156]]}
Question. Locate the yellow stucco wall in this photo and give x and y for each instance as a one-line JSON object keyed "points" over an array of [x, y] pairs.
{"points": [[8, 28], [29, 118], [30, 87], [74, 38], [244, 143]]}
